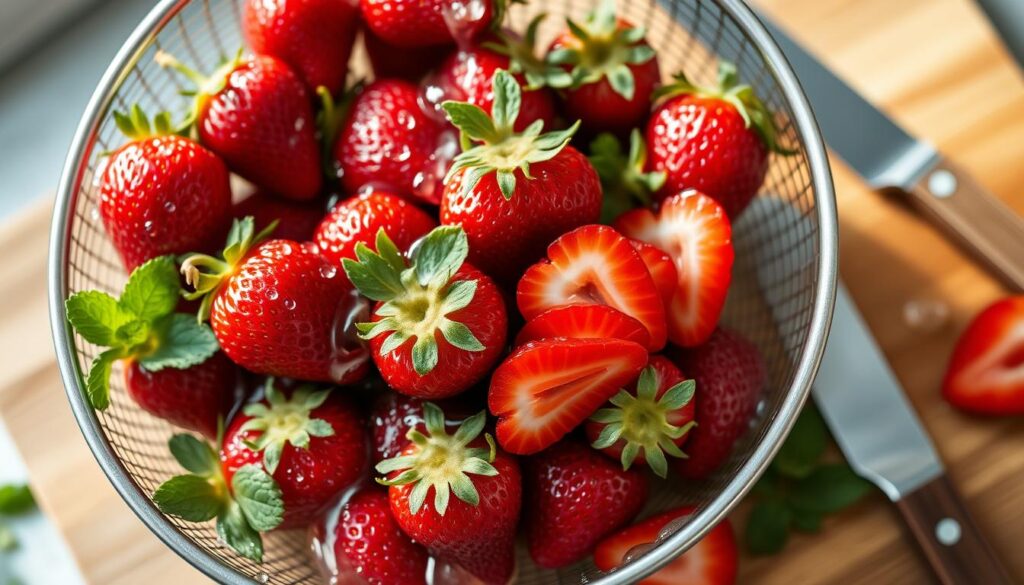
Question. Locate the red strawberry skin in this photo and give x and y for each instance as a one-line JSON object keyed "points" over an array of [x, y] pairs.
{"points": [[730, 374], [506, 236], [296, 220], [481, 538], [193, 399], [310, 479], [456, 369], [262, 124], [358, 219], [163, 195], [703, 144], [983, 376], [712, 561], [465, 76], [388, 141], [422, 23], [315, 37], [583, 322], [276, 315], [393, 62], [574, 497], [369, 543]]}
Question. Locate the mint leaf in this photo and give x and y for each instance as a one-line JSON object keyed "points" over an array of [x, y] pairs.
{"points": [[799, 455], [828, 489], [96, 316], [8, 541], [152, 289], [97, 386], [235, 531], [440, 254], [259, 497], [190, 498], [194, 455], [184, 343], [768, 527], [806, 521], [15, 500], [131, 334]]}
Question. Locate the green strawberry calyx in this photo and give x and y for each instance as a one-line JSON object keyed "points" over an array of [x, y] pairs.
{"points": [[442, 461], [641, 421], [523, 59], [491, 145], [207, 274], [418, 296], [624, 180], [251, 504], [741, 96], [603, 49], [140, 325], [205, 86], [136, 125], [280, 421]]}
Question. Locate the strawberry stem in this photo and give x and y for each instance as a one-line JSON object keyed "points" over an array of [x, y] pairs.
{"points": [[205, 86], [282, 421]]}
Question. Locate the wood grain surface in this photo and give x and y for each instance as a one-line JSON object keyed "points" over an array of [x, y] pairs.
{"points": [[934, 65]]}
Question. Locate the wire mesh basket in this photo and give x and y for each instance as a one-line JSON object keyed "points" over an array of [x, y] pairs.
{"points": [[784, 277]]}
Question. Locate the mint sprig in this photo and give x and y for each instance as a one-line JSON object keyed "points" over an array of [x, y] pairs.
{"points": [[254, 504], [15, 500], [140, 325]]}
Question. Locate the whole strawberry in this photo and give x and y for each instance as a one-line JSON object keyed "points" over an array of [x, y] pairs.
{"points": [[257, 115], [315, 37], [161, 193], [422, 23], [574, 497], [614, 72], [715, 140], [387, 140], [647, 421], [296, 220], [278, 308], [358, 220], [439, 324], [476, 528], [730, 372], [500, 189], [313, 444], [369, 543], [171, 366]]}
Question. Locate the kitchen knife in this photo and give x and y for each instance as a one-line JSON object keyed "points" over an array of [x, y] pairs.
{"points": [[883, 440], [889, 158]]}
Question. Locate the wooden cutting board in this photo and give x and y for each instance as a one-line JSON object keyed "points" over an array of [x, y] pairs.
{"points": [[935, 65]]}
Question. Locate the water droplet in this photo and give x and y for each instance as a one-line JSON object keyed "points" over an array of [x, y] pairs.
{"points": [[300, 123], [672, 527], [349, 351], [926, 315], [328, 271], [170, 207], [263, 578], [271, 294], [149, 226], [94, 213], [288, 304], [636, 552]]}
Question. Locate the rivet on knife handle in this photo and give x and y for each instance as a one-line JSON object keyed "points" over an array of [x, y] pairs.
{"points": [[989, 229]]}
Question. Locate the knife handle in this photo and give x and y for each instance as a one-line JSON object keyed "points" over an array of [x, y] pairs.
{"points": [[981, 222], [954, 546]]}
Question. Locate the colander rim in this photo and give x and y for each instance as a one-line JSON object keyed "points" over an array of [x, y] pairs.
{"points": [[824, 297]]}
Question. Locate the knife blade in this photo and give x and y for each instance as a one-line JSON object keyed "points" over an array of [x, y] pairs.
{"points": [[887, 157], [884, 441]]}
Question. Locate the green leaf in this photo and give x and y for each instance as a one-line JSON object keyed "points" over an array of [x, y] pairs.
{"points": [[621, 79], [96, 316], [16, 500], [507, 183], [259, 497], [458, 296], [374, 276], [440, 254], [194, 455], [183, 343], [189, 497], [97, 386], [806, 521], [471, 121], [507, 101], [460, 336], [389, 251], [8, 541], [152, 289], [768, 528], [235, 531], [828, 489], [424, 355], [132, 333], [800, 454]]}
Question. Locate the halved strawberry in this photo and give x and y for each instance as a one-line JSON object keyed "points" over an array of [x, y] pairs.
{"points": [[546, 388], [695, 231], [662, 269], [590, 265], [986, 373], [712, 561], [584, 322]]}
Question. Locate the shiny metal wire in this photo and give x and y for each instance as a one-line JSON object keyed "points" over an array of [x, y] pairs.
{"points": [[782, 298]]}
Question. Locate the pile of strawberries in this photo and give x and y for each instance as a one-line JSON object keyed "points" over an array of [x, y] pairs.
{"points": [[434, 287]]}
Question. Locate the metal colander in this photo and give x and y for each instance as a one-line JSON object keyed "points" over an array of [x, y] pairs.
{"points": [[784, 276]]}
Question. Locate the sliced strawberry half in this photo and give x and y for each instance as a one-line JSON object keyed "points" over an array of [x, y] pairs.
{"points": [[695, 231], [584, 322], [592, 265], [662, 269], [712, 561], [545, 389], [986, 373]]}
